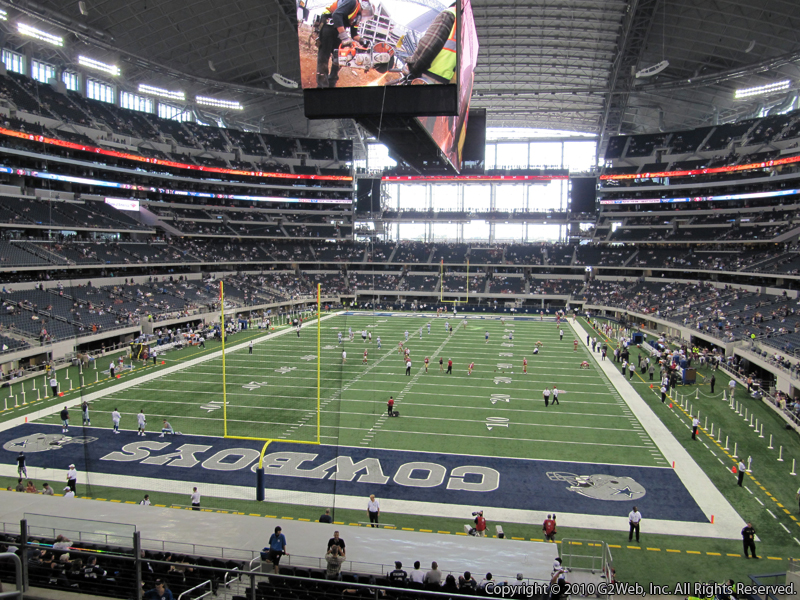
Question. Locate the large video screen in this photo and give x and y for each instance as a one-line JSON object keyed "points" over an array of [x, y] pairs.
{"points": [[367, 43], [449, 132]]}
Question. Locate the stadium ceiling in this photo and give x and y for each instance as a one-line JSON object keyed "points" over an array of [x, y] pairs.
{"points": [[556, 64]]}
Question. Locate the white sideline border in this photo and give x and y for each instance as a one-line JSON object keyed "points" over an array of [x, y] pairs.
{"points": [[727, 522]]}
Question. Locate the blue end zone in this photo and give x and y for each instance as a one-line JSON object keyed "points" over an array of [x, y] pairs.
{"points": [[482, 482]]}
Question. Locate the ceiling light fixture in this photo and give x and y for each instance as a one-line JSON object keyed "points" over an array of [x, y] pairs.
{"points": [[40, 35], [759, 90], [90, 63], [217, 103], [654, 70], [3, 15], [156, 91], [284, 81]]}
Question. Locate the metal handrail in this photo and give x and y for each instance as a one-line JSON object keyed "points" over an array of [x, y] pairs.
{"points": [[18, 572], [198, 586]]}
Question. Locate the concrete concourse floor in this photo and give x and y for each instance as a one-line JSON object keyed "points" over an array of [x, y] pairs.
{"points": [[242, 537]]}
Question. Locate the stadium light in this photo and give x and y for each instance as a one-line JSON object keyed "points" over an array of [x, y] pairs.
{"points": [[3, 15], [215, 102], [762, 89], [155, 91], [40, 35], [90, 63]]}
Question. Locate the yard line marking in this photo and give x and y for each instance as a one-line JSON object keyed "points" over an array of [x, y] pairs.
{"points": [[785, 528], [771, 515]]}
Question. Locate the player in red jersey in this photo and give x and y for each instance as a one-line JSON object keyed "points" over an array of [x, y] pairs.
{"points": [[575, 346], [426, 364], [364, 361], [525, 366], [469, 369]]}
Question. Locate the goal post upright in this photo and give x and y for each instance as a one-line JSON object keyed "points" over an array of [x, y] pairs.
{"points": [[319, 358], [222, 335]]}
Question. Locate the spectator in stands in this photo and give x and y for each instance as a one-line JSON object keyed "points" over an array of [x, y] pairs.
{"points": [[47, 490], [417, 576], [449, 584], [433, 578], [398, 576], [326, 518], [159, 592], [31, 489], [92, 571], [466, 583], [334, 559]]}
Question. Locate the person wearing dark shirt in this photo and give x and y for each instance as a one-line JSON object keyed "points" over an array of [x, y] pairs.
{"points": [[337, 541], [160, 592], [339, 27], [22, 470], [326, 518], [749, 540], [467, 582], [398, 576]]}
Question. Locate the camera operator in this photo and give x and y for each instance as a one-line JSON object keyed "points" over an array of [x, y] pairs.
{"points": [[480, 524]]}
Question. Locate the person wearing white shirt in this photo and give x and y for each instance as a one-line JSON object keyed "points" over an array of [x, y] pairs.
{"points": [[145, 501], [417, 576], [142, 422], [695, 425], [635, 519], [742, 470], [195, 499], [732, 387], [54, 385], [373, 510], [68, 493], [72, 478], [546, 394], [111, 368], [115, 419]]}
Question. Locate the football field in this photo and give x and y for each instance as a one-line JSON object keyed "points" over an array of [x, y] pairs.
{"points": [[498, 410], [459, 440]]}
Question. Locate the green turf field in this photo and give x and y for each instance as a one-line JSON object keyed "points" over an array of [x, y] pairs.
{"points": [[496, 411]]}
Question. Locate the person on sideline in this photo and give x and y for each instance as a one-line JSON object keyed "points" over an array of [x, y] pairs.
{"points": [[749, 540], [195, 499], [373, 510], [634, 519]]}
